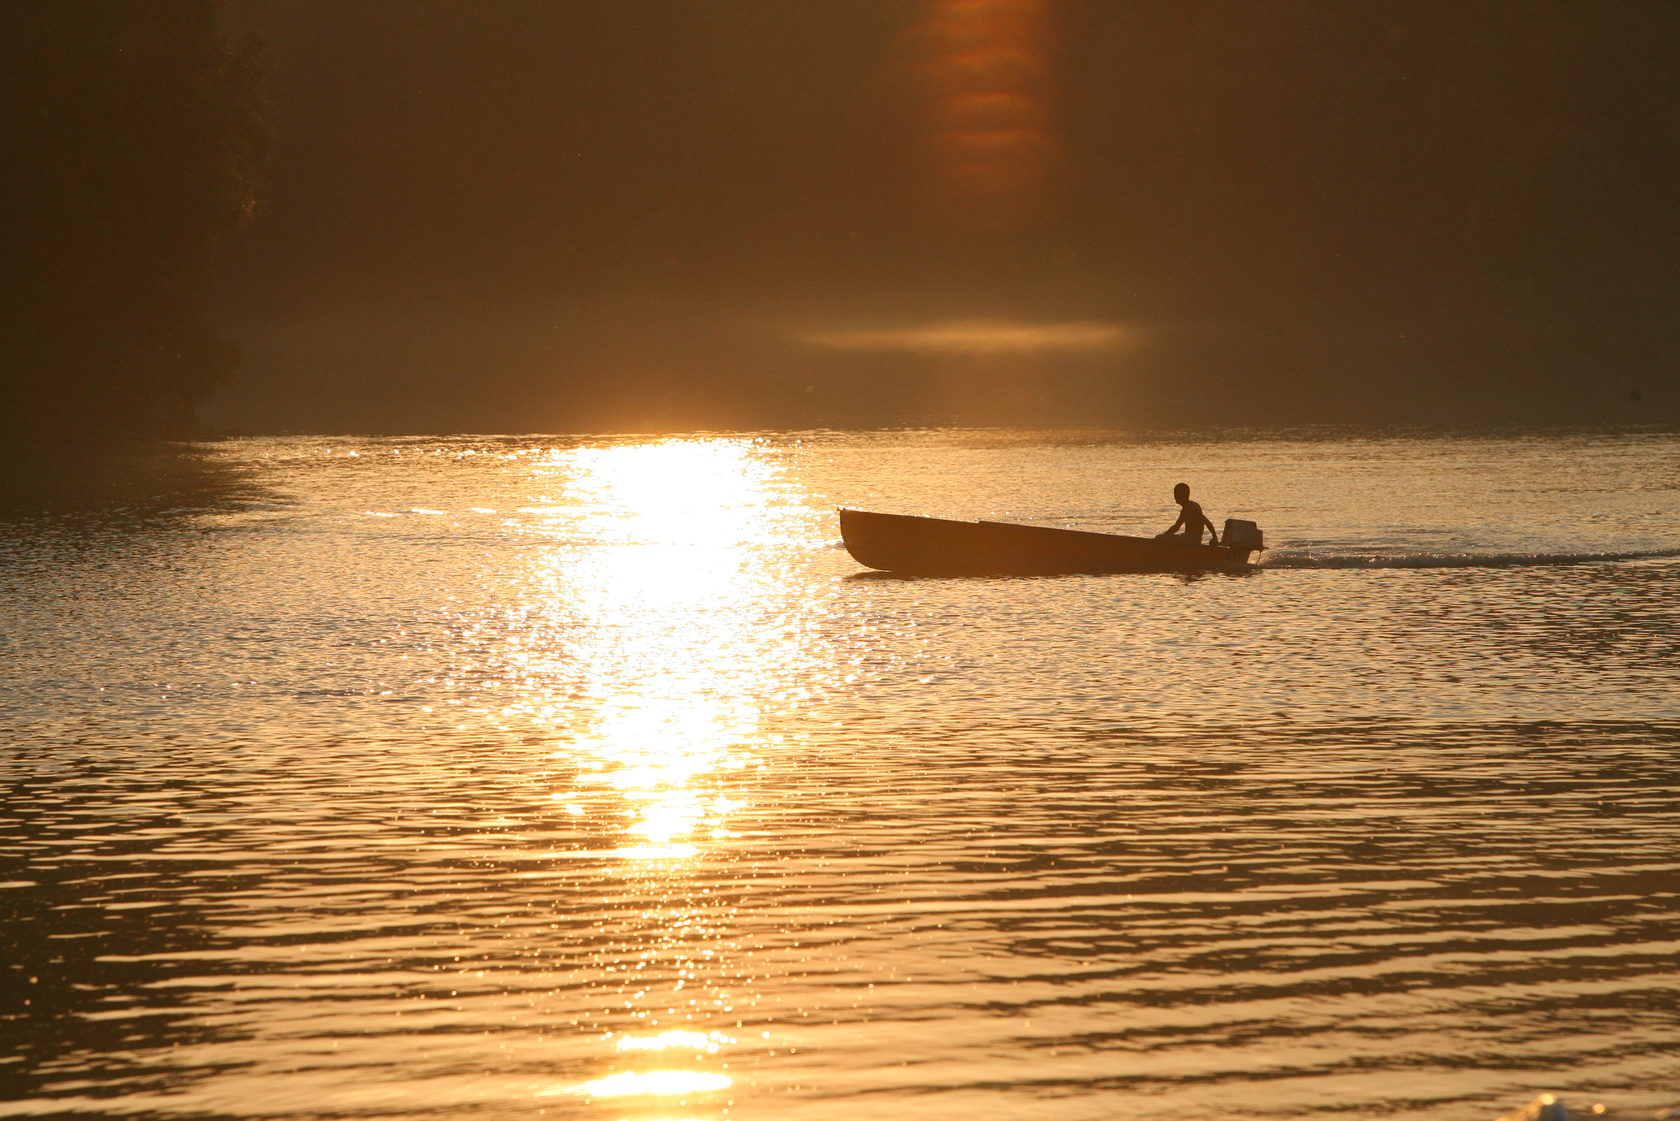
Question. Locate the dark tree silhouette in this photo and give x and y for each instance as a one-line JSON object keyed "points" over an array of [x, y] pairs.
{"points": [[129, 135]]}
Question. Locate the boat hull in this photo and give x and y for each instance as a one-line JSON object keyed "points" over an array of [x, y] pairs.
{"points": [[917, 546]]}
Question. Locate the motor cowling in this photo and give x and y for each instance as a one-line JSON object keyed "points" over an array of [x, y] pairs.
{"points": [[1241, 535]]}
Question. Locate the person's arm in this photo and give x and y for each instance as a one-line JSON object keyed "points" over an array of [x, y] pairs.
{"points": [[1213, 533]]}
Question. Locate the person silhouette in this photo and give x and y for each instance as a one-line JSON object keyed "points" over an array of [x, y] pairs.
{"points": [[1187, 530]]}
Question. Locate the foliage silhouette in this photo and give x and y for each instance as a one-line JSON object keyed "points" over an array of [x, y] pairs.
{"points": [[130, 136]]}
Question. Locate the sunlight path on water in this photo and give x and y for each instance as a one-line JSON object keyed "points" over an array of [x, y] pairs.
{"points": [[664, 657]]}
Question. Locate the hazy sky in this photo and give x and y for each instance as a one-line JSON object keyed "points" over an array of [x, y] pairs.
{"points": [[557, 216]]}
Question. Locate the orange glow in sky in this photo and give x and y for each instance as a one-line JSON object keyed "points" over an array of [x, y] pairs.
{"points": [[979, 338], [984, 74]]}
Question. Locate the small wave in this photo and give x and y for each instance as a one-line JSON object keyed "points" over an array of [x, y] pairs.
{"points": [[1302, 559]]}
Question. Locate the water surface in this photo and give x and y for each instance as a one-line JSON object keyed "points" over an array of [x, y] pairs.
{"points": [[588, 777]]}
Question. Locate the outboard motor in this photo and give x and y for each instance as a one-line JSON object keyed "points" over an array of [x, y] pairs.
{"points": [[1244, 537]]}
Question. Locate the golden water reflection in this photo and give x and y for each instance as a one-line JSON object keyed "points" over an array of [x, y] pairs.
{"points": [[664, 641]]}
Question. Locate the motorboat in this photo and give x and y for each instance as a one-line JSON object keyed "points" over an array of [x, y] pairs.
{"points": [[912, 545]]}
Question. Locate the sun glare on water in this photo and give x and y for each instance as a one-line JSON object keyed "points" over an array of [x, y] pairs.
{"points": [[660, 647], [672, 655]]}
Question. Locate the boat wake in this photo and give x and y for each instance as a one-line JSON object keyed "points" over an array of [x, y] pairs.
{"points": [[1291, 558]]}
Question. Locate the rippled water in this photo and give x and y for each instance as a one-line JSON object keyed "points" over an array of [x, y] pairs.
{"points": [[589, 778]]}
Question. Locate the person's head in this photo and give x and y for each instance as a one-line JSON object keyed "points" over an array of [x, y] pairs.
{"points": [[1181, 493]]}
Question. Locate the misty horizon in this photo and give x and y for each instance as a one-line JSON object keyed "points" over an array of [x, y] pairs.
{"points": [[669, 216]]}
